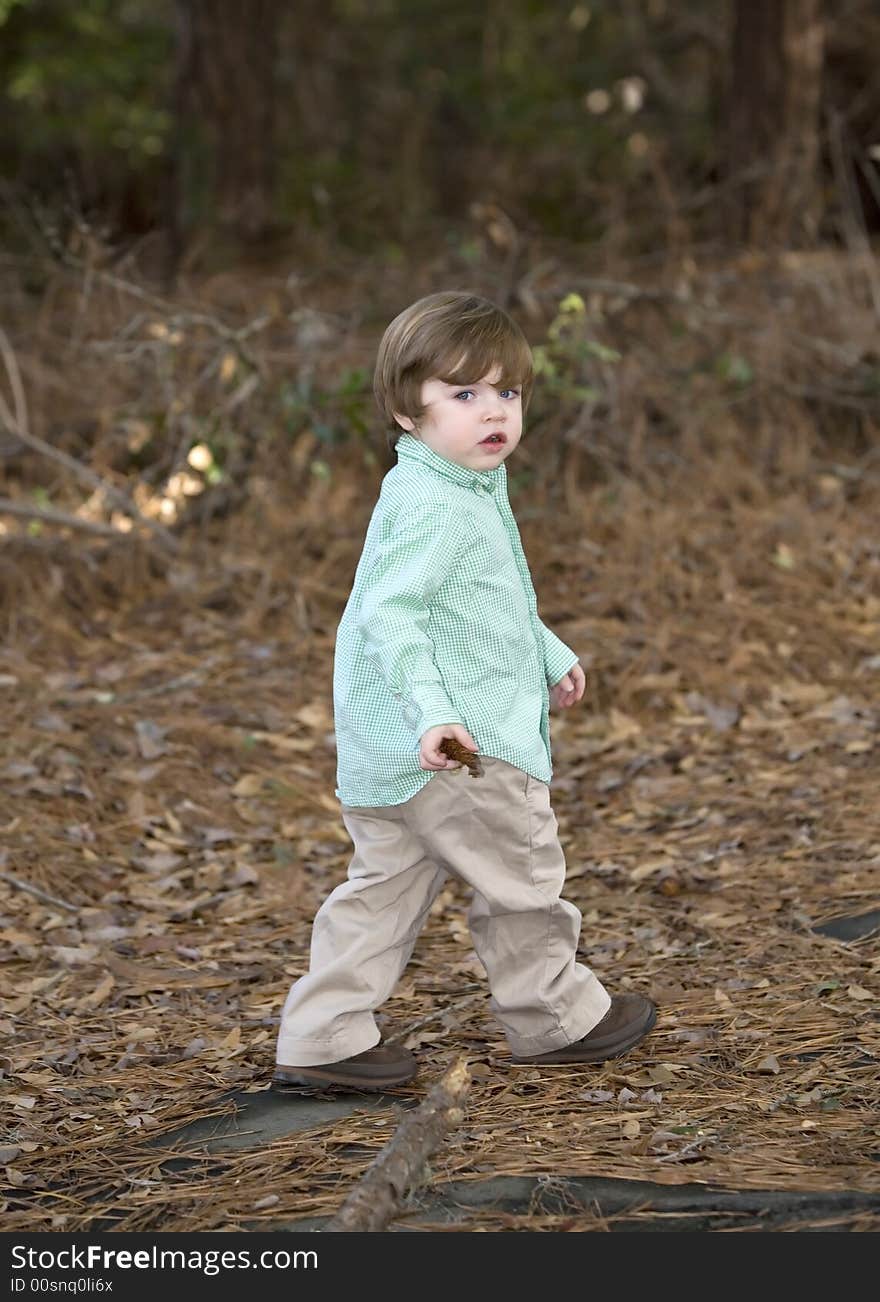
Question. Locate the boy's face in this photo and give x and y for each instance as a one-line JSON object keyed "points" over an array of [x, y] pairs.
{"points": [[459, 419]]}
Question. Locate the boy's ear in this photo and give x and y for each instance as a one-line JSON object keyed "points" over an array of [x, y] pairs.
{"points": [[405, 422]]}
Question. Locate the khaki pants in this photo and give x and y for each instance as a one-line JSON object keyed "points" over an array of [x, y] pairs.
{"points": [[498, 833]]}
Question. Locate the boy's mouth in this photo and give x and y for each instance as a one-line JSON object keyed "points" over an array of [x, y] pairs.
{"points": [[494, 439]]}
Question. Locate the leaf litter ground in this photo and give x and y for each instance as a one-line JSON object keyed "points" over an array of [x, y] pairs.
{"points": [[169, 828]]}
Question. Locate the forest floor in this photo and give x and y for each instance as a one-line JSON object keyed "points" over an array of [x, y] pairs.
{"points": [[169, 827]]}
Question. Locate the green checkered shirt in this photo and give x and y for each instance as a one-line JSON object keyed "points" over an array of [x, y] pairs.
{"points": [[441, 627]]}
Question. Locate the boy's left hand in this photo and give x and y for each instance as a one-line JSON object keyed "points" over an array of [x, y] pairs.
{"points": [[569, 690]]}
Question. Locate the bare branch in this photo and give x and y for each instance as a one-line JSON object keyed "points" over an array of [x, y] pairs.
{"points": [[48, 515], [852, 216], [177, 317], [15, 426], [18, 398]]}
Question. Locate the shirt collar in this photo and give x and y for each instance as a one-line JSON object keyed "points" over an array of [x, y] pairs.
{"points": [[413, 449]]}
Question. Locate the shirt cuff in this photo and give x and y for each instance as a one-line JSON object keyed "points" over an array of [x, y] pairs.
{"points": [[558, 658]]}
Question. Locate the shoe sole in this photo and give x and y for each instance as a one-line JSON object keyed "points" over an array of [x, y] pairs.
{"points": [[601, 1055], [321, 1078]]}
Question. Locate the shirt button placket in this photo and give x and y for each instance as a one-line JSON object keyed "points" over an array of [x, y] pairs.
{"points": [[522, 566]]}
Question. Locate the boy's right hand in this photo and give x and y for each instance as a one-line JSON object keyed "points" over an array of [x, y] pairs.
{"points": [[432, 757]]}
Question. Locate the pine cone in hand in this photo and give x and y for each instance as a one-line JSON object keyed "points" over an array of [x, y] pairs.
{"points": [[469, 758]]}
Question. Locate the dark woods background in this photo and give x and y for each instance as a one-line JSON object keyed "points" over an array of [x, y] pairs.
{"points": [[379, 122], [211, 210]]}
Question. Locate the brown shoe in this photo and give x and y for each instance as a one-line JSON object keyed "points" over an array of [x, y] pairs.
{"points": [[375, 1069], [628, 1020]]}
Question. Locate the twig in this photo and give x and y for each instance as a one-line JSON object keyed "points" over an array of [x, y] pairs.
{"points": [[190, 678], [35, 890], [51, 516], [377, 1196], [686, 1151], [632, 770], [433, 1016], [18, 395], [180, 317], [17, 425], [852, 216]]}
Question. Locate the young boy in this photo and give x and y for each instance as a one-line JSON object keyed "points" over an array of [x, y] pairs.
{"points": [[441, 639]]}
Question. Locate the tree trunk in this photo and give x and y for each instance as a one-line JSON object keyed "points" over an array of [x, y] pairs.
{"points": [[773, 120], [223, 103]]}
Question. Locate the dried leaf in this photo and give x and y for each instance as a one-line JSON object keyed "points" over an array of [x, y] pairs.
{"points": [[163, 862], [314, 716], [644, 870], [299, 744], [140, 1034], [697, 1036], [244, 875], [622, 728], [418, 1038], [74, 955], [661, 1075], [249, 785], [858, 992], [150, 738], [97, 996]]}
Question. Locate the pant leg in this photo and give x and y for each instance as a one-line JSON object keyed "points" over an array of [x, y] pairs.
{"points": [[362, 939], [499, 834]]}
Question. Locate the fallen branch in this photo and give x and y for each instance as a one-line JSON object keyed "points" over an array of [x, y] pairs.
{"points": [[377, 1196], [50, 516], [17, 424]]}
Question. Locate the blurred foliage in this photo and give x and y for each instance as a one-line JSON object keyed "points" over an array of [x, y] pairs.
{"points": [[422, 107], [396, 119], [389, 112], [567, 362], [334, 415], [84, 102]]}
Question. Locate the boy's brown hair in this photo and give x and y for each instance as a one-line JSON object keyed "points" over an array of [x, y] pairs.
{"points": [[452, 336]]}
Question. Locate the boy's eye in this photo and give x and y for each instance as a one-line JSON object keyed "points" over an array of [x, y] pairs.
{"points": [[504, 393]]}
